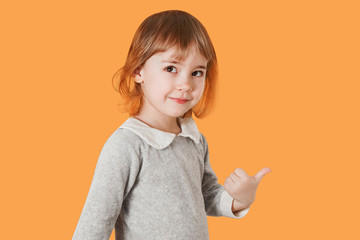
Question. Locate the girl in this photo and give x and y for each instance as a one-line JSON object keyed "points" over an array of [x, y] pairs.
{"points": [[153, 179]]}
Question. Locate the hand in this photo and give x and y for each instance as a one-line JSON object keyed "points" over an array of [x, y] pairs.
{"points": [[242, 187]]}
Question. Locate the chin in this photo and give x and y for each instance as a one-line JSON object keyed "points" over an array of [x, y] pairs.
{"points": [[176, 115]]}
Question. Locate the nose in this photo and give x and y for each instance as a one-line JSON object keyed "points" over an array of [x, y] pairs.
{"points": [[184, 84]]}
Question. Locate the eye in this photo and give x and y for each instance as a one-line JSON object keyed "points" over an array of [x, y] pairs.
{"points": [[197, 73], [170, 69]]}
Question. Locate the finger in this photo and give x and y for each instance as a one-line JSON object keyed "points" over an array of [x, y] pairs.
{"points": [[229, 180], [234, 177], [241, 172], [262, 173]]}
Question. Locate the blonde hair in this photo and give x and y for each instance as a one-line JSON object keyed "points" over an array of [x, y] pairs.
{"points": [[158, 33]]}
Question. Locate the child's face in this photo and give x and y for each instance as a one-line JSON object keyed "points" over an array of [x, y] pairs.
{"points": [[172, 86]]}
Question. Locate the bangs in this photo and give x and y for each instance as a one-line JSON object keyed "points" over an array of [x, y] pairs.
{"points": [[163, 31]]}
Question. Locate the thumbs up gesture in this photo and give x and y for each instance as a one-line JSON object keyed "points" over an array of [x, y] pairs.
{"points": [[242, 187]]}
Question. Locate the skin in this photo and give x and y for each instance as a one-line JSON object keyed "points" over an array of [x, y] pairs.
{"points": [[242, 187], [170, 88]]}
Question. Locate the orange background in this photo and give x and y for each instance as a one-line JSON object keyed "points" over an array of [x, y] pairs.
{"points": [[288, 99]]}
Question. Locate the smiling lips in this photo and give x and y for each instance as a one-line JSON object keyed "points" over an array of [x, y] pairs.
{"points": [[180, 100]]}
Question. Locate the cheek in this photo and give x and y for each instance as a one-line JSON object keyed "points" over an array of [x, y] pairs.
{"points": [[200, 87], [157, 89], [151, 83]]}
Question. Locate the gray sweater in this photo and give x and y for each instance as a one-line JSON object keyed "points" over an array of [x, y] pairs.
{"points": [[151, 184]]}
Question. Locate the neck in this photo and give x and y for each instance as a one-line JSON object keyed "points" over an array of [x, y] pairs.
{"points": [[165, 124]]}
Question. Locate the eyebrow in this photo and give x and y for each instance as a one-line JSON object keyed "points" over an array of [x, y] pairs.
{"points": [[177, 62]]}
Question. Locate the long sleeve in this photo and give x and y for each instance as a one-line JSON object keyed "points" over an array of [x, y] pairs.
{"points": [[115, 174], [217, 201]]}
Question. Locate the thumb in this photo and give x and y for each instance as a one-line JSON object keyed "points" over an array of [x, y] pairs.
{"points": [[261, 174]]}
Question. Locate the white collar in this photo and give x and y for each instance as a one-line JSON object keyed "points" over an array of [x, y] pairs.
{"points": [[160, 139]]}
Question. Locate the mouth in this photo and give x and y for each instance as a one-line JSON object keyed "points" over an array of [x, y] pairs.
{"points": [[180, 100]]}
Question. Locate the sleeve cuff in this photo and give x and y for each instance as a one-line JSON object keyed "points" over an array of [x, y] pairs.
{"points": [[226, 204]]}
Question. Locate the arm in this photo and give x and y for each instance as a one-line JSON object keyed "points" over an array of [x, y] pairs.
{"points": [[217, 201], [115, 174]]}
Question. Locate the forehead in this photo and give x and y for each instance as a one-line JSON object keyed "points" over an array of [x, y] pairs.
{"points": [[191, 53]]}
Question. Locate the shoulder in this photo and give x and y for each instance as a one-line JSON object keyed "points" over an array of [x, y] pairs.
{"points": [[118, 155], [123, 140], [203, 144], [203, 140], [123, 135]]}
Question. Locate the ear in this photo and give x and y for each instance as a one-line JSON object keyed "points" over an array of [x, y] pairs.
{"points": [[137, 75]]}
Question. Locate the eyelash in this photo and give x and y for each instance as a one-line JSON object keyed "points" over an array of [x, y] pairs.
{"points": [[172, 67], [201, 73]]}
